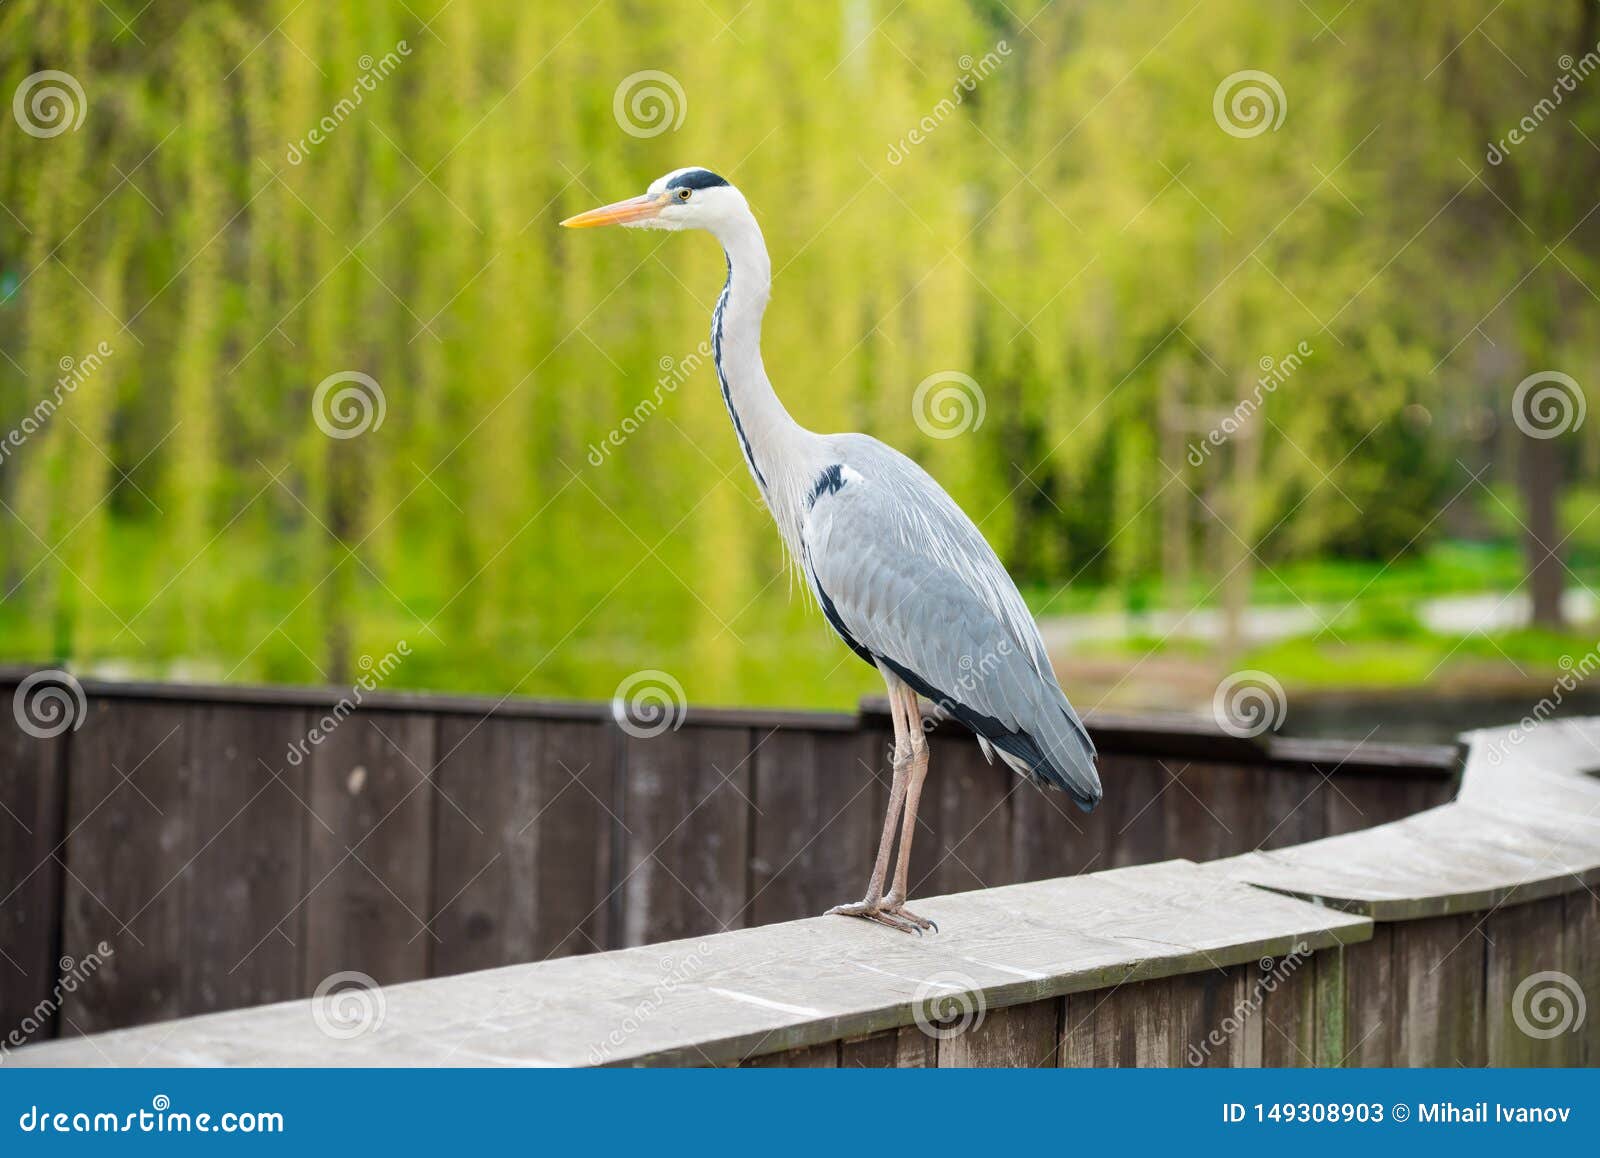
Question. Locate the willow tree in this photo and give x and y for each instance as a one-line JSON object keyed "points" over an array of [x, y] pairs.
{"points": [[1034, 204]]}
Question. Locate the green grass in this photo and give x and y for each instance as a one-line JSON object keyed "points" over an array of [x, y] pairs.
{"points": [[1375, 639], [1519, 656], [1446, 568]]}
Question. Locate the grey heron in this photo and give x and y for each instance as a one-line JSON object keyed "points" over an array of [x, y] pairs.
{"points": [[900, 572]]}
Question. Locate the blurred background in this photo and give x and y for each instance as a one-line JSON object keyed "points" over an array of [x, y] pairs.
{"points": [[1255, 337]]}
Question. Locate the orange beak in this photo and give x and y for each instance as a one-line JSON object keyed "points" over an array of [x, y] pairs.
{"points": [[634, 209]]}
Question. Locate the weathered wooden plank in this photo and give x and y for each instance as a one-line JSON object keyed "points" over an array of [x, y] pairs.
{"points": [[1250, 1029], [370, 862], [1210, 1012], [1456, 859], [1582, 962], [130, 840], [32, 790], [781, 987], [1372, 1025], [1332, 1019], [1052, 837], [1289, 1010], [579, 826], [1439, 1003], [248, 814], [687, 813], [905, 1047], [819, 801], [1549, 764], [1017, 1036], [523, 829], [964, 823], [484, 905], [1531, 1001], [1132, 813], [1215, 809], [1526, 825], [1126, 1025], [1361, 757], [1295, 808], [810, 1057], [1353, 803]]}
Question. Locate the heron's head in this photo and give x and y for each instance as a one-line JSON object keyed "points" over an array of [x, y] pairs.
{"points": [[690, 198]]}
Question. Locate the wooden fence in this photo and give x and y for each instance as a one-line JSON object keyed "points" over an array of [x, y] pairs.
{"points": [[1468, 934], [226, 861]]}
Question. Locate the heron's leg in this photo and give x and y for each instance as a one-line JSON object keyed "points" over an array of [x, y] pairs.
{"points": [[871, 906], [916, 774]]}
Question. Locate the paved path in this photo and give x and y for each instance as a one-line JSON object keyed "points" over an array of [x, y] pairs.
{"points": [[1447, 615]]}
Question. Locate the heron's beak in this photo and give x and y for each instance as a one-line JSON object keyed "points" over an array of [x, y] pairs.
{"points": [[622, 212]]}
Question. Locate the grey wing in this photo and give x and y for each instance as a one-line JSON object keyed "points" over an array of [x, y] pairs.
{"points": [[907, 579]]}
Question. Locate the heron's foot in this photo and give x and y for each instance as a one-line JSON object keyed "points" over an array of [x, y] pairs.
{"points": [[874, 910], [897, 907]]}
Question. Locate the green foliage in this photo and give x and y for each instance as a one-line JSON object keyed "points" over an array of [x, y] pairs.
{"points": [[1076, 231]]}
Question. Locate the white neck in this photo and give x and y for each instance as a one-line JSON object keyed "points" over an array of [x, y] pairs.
{"points": [[780, 452]]}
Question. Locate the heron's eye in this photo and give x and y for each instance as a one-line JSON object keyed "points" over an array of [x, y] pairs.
{"points": [[683, 194]]}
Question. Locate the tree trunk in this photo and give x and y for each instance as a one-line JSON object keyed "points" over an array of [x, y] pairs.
{"points": [[1539, 476]]}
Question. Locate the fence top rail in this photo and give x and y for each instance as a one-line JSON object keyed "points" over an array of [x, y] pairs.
{"points": [[723, 997], [1525, 824], [1152, 734]]}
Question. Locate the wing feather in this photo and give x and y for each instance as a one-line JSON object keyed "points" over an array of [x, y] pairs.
{"points": [[906, 577]]}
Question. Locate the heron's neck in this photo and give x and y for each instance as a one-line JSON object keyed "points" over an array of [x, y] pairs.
{"points": [[772, 442]]}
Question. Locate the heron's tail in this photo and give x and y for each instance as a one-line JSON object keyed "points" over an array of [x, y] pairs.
{"points": [[1040, 736], [1055, 753]]}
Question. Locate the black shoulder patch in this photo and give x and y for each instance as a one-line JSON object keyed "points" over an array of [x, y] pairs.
{"points": [[695, 179], [828, 482]]}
